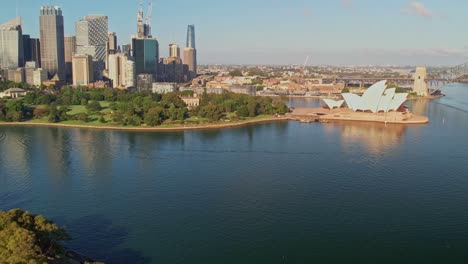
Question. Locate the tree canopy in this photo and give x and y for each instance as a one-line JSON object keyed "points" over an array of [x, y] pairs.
{"points": [[29, 238]]}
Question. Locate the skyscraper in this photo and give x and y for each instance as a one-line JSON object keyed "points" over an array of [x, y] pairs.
{"points": [[35, 45], [11, 44], [111, 46], [190, 52], [190, 59], [91, 39], [111, 43], [70, 49], [52, 41], [191, 37], [146, 54], [174, 51], [27, 48]]}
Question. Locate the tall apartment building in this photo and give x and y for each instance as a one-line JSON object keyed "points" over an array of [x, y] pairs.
{"points": [[91, 39], [121, 71], [11, 44], [111, 43], [52, 41], [111, 46]]}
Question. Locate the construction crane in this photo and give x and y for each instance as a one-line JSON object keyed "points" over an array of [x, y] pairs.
{"points": [[149, 14]]}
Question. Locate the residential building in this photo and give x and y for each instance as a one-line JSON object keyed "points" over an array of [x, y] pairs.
{"points": [[52, 41], [120, 71], [111, 46], [130, 73]]}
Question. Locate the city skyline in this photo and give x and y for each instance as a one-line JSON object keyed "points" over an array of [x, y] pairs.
{"points": [[362, 32]]}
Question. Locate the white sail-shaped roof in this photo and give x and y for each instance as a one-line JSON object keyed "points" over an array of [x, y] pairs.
{"points": [[373, 95], [333, 104], [397, 101], [386, 100], [355, 102], [376, 99]]}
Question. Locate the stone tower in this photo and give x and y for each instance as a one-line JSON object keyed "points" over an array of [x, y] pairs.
{"points": [[420, 85]]}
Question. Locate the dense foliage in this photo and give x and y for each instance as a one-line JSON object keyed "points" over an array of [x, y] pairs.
{"points": [[28, 238], [131, 108]]}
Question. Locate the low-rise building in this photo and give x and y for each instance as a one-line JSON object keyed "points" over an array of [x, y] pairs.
{"points": [[13, 93], [39, 76], [191, 102], [163, 88], [244, 89]]}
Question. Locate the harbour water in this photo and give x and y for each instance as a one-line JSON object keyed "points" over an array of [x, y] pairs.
{"points": [[280, 192]]}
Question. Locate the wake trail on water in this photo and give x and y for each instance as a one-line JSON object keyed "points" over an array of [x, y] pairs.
{"points": [[2, 135], [452, 106]]}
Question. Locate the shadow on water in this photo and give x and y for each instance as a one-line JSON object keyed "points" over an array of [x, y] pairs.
{"points": [[96, 236]]}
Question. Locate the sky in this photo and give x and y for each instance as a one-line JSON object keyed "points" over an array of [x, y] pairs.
{"points": [[330, 32]]}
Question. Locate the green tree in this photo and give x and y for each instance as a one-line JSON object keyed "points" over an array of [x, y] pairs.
{"points": [[93, 106], [243, 111], [15, 105], [154, 116], [28, 238], [54, 116], [236, 73]]}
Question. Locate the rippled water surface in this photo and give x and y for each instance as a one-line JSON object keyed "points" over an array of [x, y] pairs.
{"points": [[269, 193]]}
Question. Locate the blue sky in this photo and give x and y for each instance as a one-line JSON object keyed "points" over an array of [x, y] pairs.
{"points": [[337, 32]]}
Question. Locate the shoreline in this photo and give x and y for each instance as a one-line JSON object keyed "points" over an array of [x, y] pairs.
{"points": [[307, 115], [149, 129]]}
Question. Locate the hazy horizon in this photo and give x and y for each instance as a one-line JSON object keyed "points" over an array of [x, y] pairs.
{"points": [[337, 32]]}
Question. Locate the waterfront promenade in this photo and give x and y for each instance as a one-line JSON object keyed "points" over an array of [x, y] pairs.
{"points": [[343, 114]]}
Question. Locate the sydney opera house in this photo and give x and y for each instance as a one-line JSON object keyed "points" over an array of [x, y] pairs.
{"points": [[378, 104], [376, 99]]}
